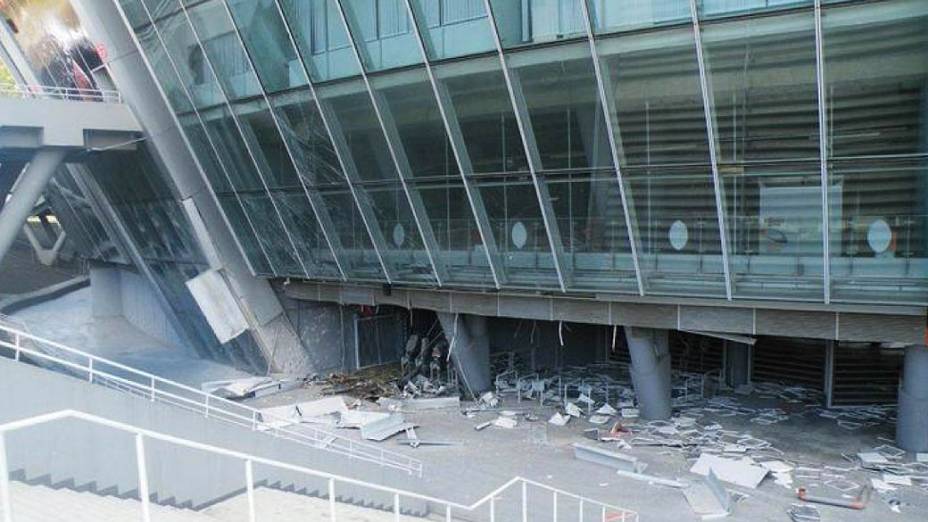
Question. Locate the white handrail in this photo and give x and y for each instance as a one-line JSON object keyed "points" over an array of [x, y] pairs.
{"points": [[50, 92], [208, 405], [617, 514]]}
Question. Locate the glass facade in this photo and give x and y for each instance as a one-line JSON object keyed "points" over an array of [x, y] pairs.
{"points": [[762, 149]]}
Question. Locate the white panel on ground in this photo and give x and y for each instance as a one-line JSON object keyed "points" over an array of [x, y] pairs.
{"points": [[212, 294]]}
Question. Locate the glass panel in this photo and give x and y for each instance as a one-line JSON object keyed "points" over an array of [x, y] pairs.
{"points": [[876, 69], [562, 100], [268, 43], [383, 33], [453, 28], [677, 221], [307, 137], [358, 257], [184, 51], [224, 51], [480, 104], [134, 12], [624, 15], [321, 38], [879, 221], [404, 252], [461, 250], [774, 216], [588, 209], [762, 73], [721, 8], [151, 45], [537, 21], [515, 218], [655, 97], [408, 105]]}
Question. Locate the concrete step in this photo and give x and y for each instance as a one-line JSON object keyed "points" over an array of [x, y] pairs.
{"points": [[32, 503], [280, 506]]}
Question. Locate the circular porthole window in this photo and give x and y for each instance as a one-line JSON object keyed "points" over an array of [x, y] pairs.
{"points": [[519, 235], [678, 235], [399, 235], [879, 236]]}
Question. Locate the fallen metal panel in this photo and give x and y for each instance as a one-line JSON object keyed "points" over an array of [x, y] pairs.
{"points": [[606, 458], [383, 429], [212, 294]]}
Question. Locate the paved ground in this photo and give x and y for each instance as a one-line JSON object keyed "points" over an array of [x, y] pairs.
{"points": [[68, 320], [20, 273], [481, 461]]}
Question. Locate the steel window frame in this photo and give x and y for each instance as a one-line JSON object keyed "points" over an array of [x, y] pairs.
{"points": [[823, 150], [612, 129], [416, 205], [461, 156], [531, 152], [713, 148], [296, 167]]}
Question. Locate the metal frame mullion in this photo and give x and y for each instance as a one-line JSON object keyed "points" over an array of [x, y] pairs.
{"points": [[823, 150], [461, 157], [415, 201], [340, 149], [613, 145], [296, 167], [238, 126], [183, 134], [531, 149], [713, 147]]}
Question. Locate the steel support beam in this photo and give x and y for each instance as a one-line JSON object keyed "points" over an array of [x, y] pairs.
{"points": [[523, 120], [461, 156], [708, 106], [193, 153], [329, 236], [398, 155], [612, 131], [29, 189], [227, 101], [823, 150]]}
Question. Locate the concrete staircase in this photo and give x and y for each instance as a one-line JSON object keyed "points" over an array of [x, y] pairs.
{"points": [[36, 503], [40, 503]]}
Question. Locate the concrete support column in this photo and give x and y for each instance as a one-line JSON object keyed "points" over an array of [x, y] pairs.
{"points": [[737, 363], [470, 348], [9, 173], [650, 355], [912, 415], [30, 187]]}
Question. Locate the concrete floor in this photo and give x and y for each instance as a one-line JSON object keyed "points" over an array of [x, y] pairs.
{"points": [[481, 461], [68, 320]]}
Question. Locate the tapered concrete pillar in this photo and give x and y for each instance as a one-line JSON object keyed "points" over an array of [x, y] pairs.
{"points": [[650, 355], [912, 414], [470, 348], [30, 187]]}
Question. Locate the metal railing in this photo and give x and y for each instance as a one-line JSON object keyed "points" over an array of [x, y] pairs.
{"points": [[49, 92], [600, 510], [116, 376]]}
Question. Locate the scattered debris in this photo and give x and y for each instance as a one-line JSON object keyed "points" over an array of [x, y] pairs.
{"points": [[559, 420], [385, 428], [250, 387], [505, 422], [608, 458], [804, 513], [407, 405], [859, 502], [708, 498], [742, 472]]}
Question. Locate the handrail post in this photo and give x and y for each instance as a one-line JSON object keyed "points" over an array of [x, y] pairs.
{"points": [[254, 420], [332, 499], [554, 505], [448, 513], [152, 389], [144, 497], [524, 501], [580, 519], [17, 343], [206, 407], [396, 507], [5, 482], [604, 515], [90, 370], [250, 488]]}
